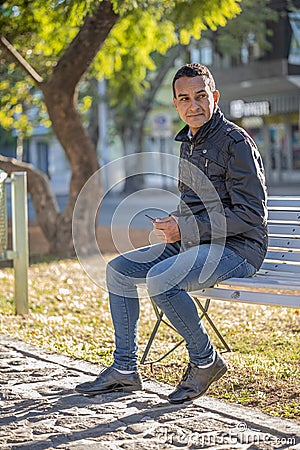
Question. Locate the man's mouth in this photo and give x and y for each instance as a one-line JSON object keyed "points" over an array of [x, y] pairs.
{"points": [[195, 115]]}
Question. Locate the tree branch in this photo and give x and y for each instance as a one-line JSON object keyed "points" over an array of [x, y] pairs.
{"points": [[79, 55], [20, 60]]}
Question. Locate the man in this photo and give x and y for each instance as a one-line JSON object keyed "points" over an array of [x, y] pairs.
{"points": [[218, 231]]}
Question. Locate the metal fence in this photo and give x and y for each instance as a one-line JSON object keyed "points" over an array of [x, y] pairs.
{"points": [[19, 251]]}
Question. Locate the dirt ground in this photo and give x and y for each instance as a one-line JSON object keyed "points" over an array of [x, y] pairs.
{"points": [[119, 242]]}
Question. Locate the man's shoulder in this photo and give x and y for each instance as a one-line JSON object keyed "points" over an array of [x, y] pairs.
{"points": [[228, 131], [237, 134]]}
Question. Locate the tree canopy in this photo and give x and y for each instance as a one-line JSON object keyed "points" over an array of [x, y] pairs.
{"points": [[248, 28]]}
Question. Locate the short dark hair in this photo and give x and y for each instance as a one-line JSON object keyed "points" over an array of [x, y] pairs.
{"points": [[194, 70]]}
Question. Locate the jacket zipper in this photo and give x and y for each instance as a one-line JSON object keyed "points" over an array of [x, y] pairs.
{"points": [[192, 146], [206, 166]]}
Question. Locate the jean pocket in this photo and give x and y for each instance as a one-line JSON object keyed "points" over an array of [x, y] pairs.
{"points": [[243, 270], [250, 269]]}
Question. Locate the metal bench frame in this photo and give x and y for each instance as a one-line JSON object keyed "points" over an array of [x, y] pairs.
{"points": [[277, 283]]}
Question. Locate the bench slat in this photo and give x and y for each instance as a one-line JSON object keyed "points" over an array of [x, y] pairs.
{"points": [[264, 282], [284, 230], [283, 201], [288, 243], [265, 298], [283, 256], [284, 209], [280, 265], [278, 273], [280, 216]]}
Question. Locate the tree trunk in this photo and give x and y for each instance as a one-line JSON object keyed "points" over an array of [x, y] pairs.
{"points": [[67, 125]]}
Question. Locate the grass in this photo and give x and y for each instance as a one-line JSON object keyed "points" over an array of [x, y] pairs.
{"points": [[70, 314]]}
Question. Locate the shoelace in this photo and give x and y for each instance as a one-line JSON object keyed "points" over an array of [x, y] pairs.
{"points": [[109, 369], [189, 372]]}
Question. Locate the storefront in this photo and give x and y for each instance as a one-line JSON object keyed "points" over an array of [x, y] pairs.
{"points": [[273, 123]]}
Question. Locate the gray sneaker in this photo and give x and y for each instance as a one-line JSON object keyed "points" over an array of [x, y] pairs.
{"points": [[196, 381], [110, 380]]}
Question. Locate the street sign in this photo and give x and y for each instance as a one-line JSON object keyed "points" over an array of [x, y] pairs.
{"points": [[161, 125]]}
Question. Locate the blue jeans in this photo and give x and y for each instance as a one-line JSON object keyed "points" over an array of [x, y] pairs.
{"points": [[169, 273]]}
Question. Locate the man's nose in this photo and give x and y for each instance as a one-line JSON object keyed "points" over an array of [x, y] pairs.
{"points": [[195, 104]]}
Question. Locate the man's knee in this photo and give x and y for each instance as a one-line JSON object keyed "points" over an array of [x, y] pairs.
{"points": [[157, 283], [120, 278], [114, 270]]}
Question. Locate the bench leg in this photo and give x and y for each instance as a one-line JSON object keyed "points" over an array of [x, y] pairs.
{"points": [[159, 316], [205, 314]]}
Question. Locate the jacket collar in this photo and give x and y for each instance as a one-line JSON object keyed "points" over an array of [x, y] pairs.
{"points": [[183, 135]]}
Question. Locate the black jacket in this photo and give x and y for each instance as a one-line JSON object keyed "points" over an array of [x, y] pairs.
{"points": [[223, 193]]}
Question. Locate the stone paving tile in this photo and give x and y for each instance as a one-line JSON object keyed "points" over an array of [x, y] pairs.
{"points": [[39, 409]]}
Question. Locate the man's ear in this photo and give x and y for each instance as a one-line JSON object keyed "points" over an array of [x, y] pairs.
{"points": [[216, 95], [175, 102]]}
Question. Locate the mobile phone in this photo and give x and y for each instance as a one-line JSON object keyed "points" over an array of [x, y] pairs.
{"points": [[150, 218]]}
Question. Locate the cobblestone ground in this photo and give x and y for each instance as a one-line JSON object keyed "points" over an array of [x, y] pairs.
{"points": [[40, 410]]}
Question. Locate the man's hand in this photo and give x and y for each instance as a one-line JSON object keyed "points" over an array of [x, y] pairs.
{"points": [[166, 229]]}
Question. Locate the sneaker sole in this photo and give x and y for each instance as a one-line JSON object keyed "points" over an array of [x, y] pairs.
{"points": [[215, 378], [111, 389]]}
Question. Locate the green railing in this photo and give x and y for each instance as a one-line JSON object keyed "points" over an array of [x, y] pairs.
{"points": [[19, 252]]}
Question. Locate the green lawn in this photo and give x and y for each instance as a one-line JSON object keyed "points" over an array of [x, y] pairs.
{"points": [[69, 314]]}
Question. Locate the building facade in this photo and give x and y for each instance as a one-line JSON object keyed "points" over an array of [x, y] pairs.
{"points": [[262, 94]]}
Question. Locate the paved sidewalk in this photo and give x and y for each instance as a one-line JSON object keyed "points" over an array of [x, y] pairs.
{"points": [[40, 410]]}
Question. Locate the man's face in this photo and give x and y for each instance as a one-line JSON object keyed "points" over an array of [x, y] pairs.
{"points": [[194, 101]]}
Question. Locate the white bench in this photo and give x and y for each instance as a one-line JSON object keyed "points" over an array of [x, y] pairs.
{"points": [[276, 283]]}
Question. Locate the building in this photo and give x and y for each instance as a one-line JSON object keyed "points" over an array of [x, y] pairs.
{"points": [[260, 91], [262, 94]]}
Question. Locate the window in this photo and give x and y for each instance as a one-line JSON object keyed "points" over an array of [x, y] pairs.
{"points": [[42, 157]]}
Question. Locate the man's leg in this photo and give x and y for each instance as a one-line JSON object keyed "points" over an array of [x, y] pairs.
{"points": [[123, 275], [168, 283]]}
